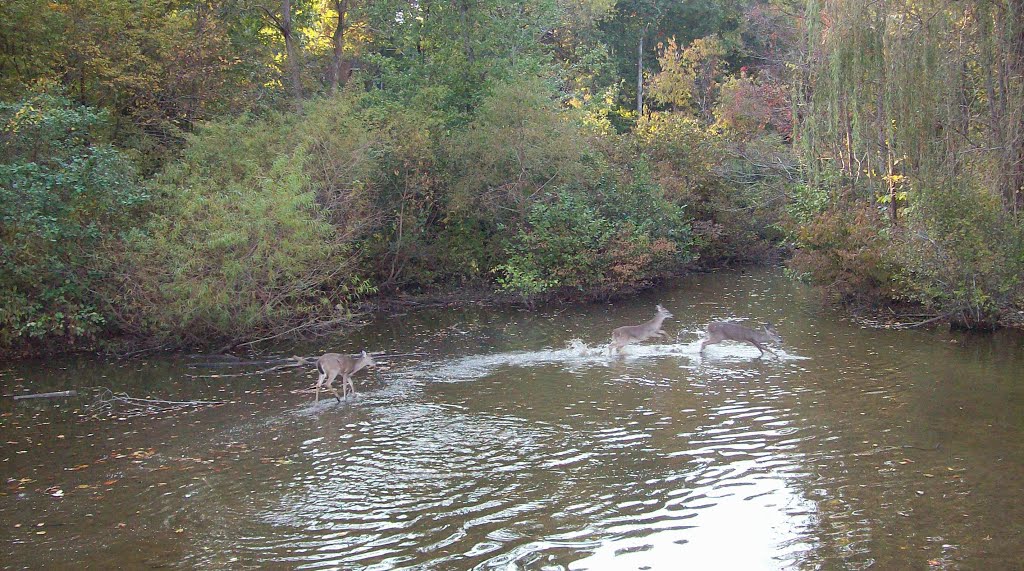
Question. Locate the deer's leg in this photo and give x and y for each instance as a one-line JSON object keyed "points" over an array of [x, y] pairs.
{"points": [[661, 332], [709, 341], [614, 346], [761, 348], [351, 387], [319, 383], [346, 382], [330, 385]]}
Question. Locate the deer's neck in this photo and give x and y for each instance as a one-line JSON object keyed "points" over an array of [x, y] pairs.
{"points": [[656, 322]]}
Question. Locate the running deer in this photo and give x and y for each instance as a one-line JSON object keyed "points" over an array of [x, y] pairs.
{"points": [[330, 365], [719, 331], [627, 334]]}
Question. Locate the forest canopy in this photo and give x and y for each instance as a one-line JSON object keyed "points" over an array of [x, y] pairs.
{"points": [[201, 172]]}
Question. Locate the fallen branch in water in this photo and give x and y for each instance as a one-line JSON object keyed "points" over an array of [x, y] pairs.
{"points": [[240, 363], [58, 394], [926, 321], [290, 364], [123, 406], [306, 327]]}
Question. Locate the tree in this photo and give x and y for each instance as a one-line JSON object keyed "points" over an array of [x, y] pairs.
{"points": [[282, 22], [66, 198], [339, 68]]}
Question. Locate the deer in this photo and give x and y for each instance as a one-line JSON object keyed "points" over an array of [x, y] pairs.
{"points": [[719, 331], [330, 365], [627, 334]]}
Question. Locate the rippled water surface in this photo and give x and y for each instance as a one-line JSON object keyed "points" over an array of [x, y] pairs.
{"points": [[512, 440]]}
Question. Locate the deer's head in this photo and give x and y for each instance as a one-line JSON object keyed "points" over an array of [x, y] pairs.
{"points": [[769, 329]]}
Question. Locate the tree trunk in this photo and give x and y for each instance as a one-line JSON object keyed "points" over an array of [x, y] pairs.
{"points": [[640, 76], [1013, 190], [335, 76], [467, 46], [291, 50]]}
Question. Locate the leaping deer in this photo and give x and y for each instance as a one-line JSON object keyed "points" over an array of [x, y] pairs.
{"points": [[719, 331], [330, 365], [627, 334]]}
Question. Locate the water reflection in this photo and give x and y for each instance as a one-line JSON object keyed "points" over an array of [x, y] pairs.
{"points": [[514, 441]]}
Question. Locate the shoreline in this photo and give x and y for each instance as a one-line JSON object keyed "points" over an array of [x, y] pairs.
{"points": [[895, 315]]}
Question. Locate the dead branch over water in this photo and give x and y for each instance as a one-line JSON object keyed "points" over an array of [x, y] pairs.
{"points": [[108, 403]]}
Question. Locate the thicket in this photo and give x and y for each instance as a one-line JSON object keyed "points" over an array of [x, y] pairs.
{"points": [[292, 217], [67, 197], [196, 172], [913, 133]]}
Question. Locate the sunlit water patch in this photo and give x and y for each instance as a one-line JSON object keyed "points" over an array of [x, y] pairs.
{"points": [[579, 356]]}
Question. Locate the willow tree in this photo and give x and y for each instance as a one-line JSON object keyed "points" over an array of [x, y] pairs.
{"points": [[918, 106], [925, 91]]}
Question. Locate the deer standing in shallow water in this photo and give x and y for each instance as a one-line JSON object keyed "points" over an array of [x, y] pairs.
{"points": [[627, 334], [330, 365], [719, 331]]}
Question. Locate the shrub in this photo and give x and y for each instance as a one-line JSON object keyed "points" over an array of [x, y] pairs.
{"points": [[962, 254], [564, 247], [519, 143], [848, 252], [65, 200], [252, 235], [576, 243], [730, 201]]}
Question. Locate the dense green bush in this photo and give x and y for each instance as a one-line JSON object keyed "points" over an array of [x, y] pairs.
{"points": [[520, 143], [66, 197], [962, 254], [954, 251], [564, 246], [848, 251], [734, 204], [597, 243], [256, 228]]}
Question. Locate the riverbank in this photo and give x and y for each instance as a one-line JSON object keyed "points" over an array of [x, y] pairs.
{"points": [[894, 315]]}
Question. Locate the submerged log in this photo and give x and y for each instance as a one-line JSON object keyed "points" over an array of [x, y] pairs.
{"points": [[54, 395]]}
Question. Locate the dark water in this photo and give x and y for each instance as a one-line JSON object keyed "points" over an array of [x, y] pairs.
{"points": [[514, 442]]}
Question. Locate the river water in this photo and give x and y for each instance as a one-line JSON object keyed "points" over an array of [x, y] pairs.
{"points": [[510, 440]]}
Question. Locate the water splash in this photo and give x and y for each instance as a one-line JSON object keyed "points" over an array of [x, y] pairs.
{"points": [[578, 355]]}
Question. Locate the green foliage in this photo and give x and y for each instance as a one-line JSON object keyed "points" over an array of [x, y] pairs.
{"points": [[962, 255], [742, 110], [480, 143], [406, 196], [519, 143], [29, 44], [65, 198], [689, 76], [563, 247], [847, 251], [901, 113], [806, 203], [578, 242], [259, 252], [728, 199]]}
